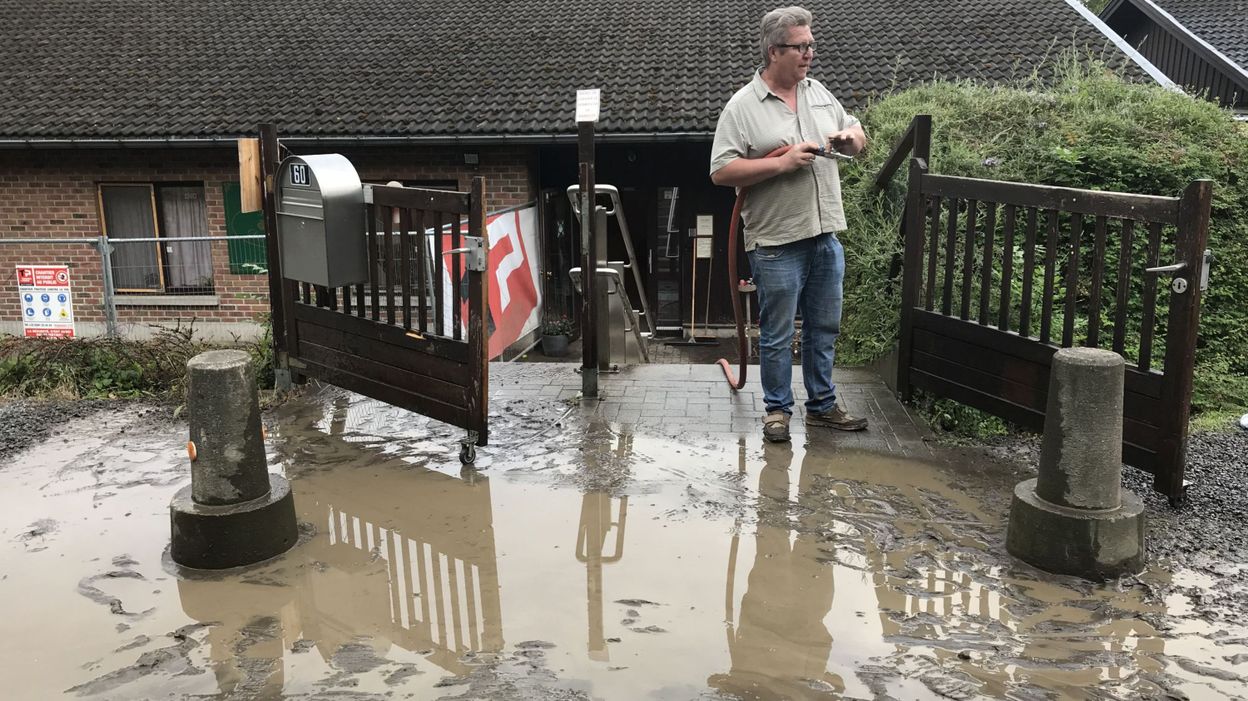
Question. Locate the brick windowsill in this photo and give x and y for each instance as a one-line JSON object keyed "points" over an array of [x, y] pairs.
{"points": [[167, 300]]}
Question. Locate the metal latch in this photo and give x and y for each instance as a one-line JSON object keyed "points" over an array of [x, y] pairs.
{"points": [[1161, 269], [1180, 284], [474, 253]]}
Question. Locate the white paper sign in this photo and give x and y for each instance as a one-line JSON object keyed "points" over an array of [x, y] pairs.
{"points": [[587, 103], [47, 303], [706, 229], [704, 248]]}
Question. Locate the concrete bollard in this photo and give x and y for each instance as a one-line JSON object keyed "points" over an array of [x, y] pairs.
{"points": [[1075, 517], [234, 512]]}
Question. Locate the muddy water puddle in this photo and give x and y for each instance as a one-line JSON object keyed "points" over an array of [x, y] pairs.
{"points": [[584, 562]]}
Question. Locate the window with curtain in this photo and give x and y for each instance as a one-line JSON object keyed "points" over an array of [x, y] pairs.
{"points": [[144, 222]]}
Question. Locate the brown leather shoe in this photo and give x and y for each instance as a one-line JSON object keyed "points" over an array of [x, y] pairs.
{"points": [[837, 418], [776, 427]]}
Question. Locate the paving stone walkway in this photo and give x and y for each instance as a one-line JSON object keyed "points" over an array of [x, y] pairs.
{"points": [[675, 400]]}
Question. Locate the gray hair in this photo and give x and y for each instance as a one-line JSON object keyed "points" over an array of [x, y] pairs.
{"points": [[776, 26]]}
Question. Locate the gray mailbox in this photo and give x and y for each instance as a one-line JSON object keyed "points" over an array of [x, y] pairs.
{"points": [[320, 221]]}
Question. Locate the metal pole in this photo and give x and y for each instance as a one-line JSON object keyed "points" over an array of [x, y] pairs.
{"points": [[602, 293], [693, 294], [589, 267], [110, 301]]}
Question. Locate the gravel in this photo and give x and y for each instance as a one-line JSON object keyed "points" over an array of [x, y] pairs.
{"points": [[28, 422]]}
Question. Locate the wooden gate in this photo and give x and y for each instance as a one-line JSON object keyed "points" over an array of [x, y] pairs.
{"points": [[414, 335], [999, 275]]}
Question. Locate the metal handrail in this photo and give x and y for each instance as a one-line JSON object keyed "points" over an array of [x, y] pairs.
{"points": [[617, 211], [185, 239]]}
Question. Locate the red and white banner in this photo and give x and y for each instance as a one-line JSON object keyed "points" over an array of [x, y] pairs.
{"points": [[47, 302], [515, 298]]}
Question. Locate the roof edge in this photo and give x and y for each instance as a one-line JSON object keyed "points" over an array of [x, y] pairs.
{"points": [[1147, 66], [295, 139], [1206, 50]]}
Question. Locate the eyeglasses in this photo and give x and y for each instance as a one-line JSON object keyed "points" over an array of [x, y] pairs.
{"points": [[801, 48]]}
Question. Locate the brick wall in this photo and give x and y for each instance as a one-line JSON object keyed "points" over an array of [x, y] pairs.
{"points": [[54, 194]]}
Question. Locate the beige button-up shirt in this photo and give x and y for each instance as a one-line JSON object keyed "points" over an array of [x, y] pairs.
{"points": [[797, 205]]}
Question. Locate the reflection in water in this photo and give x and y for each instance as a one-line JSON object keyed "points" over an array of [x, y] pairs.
{"points": [[780, 646], [442, 570], [873, 523], [598, 518], [406, 556], [409, 562], [247, 638]]}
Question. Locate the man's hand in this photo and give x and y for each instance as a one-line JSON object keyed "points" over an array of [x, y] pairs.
{"points": [[800, 156], [848, 141]]}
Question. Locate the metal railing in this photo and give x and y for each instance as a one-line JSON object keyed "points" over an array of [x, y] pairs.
{"points": [[135, 267]]}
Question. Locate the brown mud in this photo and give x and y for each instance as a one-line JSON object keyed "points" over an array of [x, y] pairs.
{"points": [[582, 562]]}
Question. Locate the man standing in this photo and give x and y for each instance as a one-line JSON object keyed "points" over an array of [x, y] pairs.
{"points": [[792, 214]]}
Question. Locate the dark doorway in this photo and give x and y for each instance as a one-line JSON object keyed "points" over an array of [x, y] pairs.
{"points": [[663, 188]]}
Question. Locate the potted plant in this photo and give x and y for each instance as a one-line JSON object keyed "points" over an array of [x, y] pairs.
{"points": [[555, 333]]}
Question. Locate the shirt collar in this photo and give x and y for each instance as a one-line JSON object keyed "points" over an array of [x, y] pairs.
{"points": [[761, 91]]}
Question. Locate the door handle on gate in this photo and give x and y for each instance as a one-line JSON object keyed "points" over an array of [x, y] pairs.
{"points": [[473, 251], [1161, 269]]}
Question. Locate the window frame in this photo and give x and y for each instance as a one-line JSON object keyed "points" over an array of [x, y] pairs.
{"points": [[155, 211]]}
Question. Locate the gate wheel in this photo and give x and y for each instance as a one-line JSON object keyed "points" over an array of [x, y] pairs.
{"points": [[467, 453]]}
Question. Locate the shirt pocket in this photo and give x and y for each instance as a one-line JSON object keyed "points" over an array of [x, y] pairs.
{"points": [[827, 116]]}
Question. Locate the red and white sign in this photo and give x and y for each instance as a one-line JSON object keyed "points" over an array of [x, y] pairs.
{"points": [[515, 298], [47, 303]]}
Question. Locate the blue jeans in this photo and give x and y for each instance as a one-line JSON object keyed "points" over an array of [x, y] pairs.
{"points": [[801, 276]]}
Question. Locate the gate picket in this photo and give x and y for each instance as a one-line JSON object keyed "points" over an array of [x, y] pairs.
{"points": [[1007, 269], [985, 280], [1124, 286]]}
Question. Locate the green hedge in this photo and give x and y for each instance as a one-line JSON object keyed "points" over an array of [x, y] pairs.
{"points": [[1087, 129]]}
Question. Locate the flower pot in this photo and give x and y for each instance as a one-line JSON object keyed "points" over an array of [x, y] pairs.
{"points": [[554, 346]]}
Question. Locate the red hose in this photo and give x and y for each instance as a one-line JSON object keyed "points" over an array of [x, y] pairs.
{"points": [[743, 349]]}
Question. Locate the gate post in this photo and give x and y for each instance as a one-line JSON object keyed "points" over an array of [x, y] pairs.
{"points": [[589, 276], [478, 337], [1181, 328], [270, 157], [923, 137], [912, 223]]}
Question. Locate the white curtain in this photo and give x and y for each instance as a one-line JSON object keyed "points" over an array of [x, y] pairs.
{"points": [[183, 214]]}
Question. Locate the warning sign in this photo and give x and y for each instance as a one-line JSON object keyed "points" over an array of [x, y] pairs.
{"points": [[47, 303]]}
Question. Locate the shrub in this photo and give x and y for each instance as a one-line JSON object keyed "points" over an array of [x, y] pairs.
{"points": [[108, 368]]}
